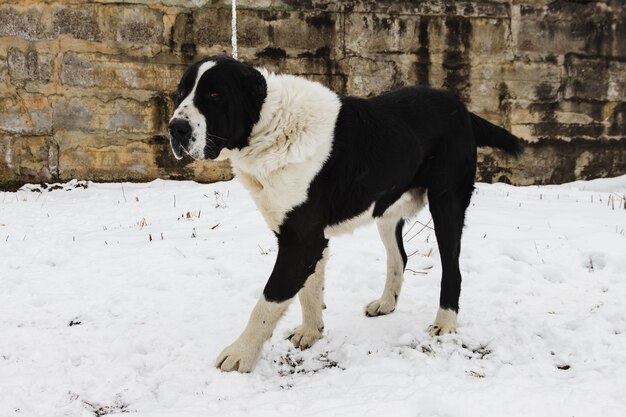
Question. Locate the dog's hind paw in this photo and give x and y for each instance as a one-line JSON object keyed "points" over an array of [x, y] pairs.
{"points": [[444, 323], [305, 338], [238, 357], [380, 307]]}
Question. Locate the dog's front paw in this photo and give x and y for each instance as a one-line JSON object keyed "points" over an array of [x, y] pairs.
{"points": [[305, 338], [444, 323], [240, 357], [380, 307]]}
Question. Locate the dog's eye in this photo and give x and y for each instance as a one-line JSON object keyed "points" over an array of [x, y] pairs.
{"points": [[178, 96], [214, 94]]}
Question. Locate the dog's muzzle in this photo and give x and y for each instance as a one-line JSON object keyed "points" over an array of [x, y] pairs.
{"points": [[180, 136]]}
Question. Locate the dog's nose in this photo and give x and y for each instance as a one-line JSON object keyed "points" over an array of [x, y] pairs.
{"points": [[180, 129]]}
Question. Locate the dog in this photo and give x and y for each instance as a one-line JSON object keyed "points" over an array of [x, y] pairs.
{"points": [[318, 164]]}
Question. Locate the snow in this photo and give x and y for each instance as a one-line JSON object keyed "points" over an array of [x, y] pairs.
{"points": [[116, 298]]}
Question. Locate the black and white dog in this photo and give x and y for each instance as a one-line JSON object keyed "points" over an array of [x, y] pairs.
{"points": [[318, 164]]}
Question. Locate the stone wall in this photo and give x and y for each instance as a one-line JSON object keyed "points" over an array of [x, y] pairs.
{"points": [[85, 85]]}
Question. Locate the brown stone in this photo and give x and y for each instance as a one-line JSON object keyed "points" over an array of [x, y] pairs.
{"points": [[89, 114], [23, 22], [115, 73], [30, 65], [79, 21], [26, 114], [136, 24]]}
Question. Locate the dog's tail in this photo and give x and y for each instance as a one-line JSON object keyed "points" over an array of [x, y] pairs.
{"points": [[488, 134]]}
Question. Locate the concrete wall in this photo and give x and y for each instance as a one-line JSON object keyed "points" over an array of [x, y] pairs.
{"points": [[85, 86]]}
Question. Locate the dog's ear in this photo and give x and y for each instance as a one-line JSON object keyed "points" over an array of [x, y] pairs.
{"points": [[255, 81]]}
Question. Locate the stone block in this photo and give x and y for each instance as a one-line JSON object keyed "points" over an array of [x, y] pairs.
{"points": [[118, 73], [7, 174], [4, 74], [564, 27], [598, 78], [135, 24], [90, 114], [23, 22], [491, 40], [79, 21], [533, 80], [433, 7], [35, 158], [267, 31], [372, 33], [368, 77], [28, 114], [29, 65], [311, 32], [104, 157]]}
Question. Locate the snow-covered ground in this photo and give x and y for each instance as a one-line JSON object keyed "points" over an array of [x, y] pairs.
{"points": [[117, 298]]}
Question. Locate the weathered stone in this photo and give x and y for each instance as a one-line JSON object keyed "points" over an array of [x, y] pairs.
{"points": [[369, 77], [29, 65], [372, 33], [34, 158], [433, 7], [77, 71], [617, 119], [136, 24], [596, 78], [78, 21], [4, 73], [25, 114], [565, 27], [23, 22], [554, 162], [89, 114], [89, 70], [115, 158]]}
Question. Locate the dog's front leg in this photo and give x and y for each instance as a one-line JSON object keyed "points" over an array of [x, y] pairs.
{"points": [[312, 303], [295, 262], [243, 354]]}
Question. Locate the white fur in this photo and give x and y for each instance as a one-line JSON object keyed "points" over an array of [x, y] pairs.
{"points": [[445, 322], [188, 111], [311, 301], [243, 353], [350, 224], [406, 206], [288, 145]]}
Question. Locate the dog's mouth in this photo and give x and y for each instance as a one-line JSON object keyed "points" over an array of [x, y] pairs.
{"points": [[178, 150]]}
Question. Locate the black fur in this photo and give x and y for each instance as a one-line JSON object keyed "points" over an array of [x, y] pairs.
{"points": [[414, 137]]}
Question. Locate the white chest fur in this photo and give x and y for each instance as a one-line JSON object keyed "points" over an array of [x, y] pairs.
{"points": [[288, 146]]}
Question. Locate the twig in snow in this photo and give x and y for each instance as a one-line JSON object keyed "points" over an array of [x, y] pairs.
{"points": [[179, 251], [424, 226], [416, 272], [123, 193], [417, 251]]}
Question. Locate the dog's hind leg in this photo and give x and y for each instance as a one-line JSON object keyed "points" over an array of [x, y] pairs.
{"points": [[390, 230], [311, 301], [448, 211]]}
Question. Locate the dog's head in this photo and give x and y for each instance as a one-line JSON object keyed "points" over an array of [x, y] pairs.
{"points": [[218, 101]]}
